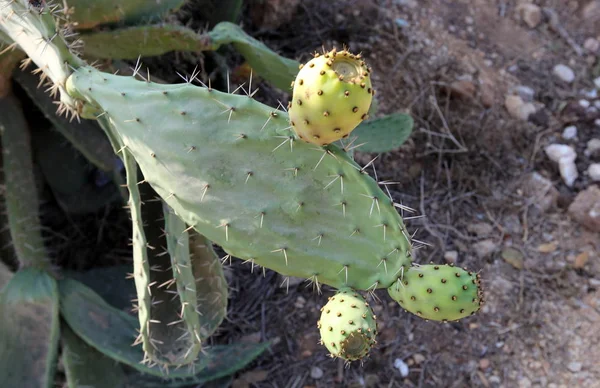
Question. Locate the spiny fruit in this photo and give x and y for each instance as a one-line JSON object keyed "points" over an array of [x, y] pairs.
{"points": [[438, 292], [332, 95], [348, 325]]}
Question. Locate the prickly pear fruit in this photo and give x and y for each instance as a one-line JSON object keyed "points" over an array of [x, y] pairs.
{"points": [[332, 95], [348, 325], [438, 292]]}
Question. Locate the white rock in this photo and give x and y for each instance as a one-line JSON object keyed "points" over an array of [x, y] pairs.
{"points": [[597, 82], [575, 367], [593, 146], [597, 122], [316, 372], [526, 93], [570, 132], [451, 256], [401, 366], [568, 171], [594, 172], [564, 72], [590, 94], [584, 103], [518, 108], [565, 156], [531, 14], [591, 45], [556, 152], [597, 103]]}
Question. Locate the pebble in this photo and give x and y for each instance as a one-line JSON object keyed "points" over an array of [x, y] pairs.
{"points": [[591, 45], [518, 108], [484, 248], [597, 82], [565, 156], [451, 257], [597, 122], [570, 132], [590, 94], [526, 93], [575, 367], [584, 104], [585, 208], [564, 73], [401, 366], [594, 172], [541, 190], [593, 147], [316, 372], [531, 14], [419, 358]]}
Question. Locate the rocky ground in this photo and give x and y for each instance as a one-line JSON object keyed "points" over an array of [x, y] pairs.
{"points": [[504, 164]]}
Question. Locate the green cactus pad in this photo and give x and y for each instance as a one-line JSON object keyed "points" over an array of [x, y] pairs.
{"points": [[332, 96], [438, 292], [348, 325], [87, 14], [230, 167]]}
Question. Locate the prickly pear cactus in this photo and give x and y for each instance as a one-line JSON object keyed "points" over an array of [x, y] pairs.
{"points": [[348, 325], [438, 292], [332, 96]]}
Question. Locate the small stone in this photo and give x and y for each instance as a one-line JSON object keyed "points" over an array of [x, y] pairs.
{"points": [[564, 73], [469, 20], [591, 45], [570, 132], [575, 367], [594, 172], [585, 209], [592, 147], [565, 156], [401, 366], [485, 248], [581, 259], [591, 94], [451, 257], [531, 14], [584, 104], [480, 229], [463, 89], [518, 108], [484, 363], [597, 82], [513, 257], [525, 92], [419, 358], [597, 122], [316, 372], [540, 189]]}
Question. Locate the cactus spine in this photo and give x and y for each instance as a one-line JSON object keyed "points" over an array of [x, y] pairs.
{"points": [[332, 96]]}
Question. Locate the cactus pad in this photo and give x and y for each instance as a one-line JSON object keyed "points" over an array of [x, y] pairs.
{"points": [[348, 325], [332, 96], [230, 168], [438, 292]]}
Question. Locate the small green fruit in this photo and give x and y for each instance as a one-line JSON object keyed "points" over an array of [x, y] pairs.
{"points": [[332, 96], [438, 292], [348, 325]]}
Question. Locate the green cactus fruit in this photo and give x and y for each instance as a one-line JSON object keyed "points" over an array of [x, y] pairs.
{"points": [[438, 292], [332, 96], [348, 325]]}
